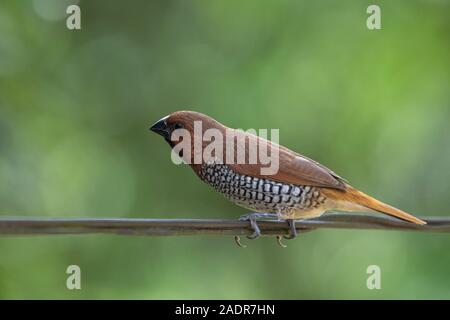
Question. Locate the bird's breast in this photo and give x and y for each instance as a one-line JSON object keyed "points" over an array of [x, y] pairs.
{"points": [[261, 195]]}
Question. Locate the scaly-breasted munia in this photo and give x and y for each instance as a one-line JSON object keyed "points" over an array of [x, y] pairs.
{"points": [[300, 189]]}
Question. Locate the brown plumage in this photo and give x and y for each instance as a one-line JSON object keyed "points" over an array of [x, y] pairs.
{"points": [[301, 188]]}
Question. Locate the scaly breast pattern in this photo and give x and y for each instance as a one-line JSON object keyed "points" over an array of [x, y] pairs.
{"points": [[261, 195]]}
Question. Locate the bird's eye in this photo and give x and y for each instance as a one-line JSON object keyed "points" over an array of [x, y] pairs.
{"points": [[178, 125]]}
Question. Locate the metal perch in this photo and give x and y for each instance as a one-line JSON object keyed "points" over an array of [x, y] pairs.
{"points": [[14, 226]]}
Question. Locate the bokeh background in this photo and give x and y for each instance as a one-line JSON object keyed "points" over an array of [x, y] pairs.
{"points": [[75, 107]]}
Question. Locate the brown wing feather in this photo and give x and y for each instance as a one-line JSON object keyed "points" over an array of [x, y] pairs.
{"points": [[293, 167]]}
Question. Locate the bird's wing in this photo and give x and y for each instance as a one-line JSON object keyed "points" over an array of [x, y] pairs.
{"points": [[298, 169], [292, 168]]}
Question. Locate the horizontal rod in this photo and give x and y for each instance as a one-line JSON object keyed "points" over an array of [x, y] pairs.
{"points": [[11, 226]]}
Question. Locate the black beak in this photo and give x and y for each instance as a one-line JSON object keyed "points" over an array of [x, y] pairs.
{"points": [[160, 127]]}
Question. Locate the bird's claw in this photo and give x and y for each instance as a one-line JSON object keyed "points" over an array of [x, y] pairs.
{"points": [[237, 239], [292, 233], [251, 217], [280, 242]]}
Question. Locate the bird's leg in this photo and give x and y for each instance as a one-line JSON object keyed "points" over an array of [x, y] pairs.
{"points": [[292, 229], [251, 217]]}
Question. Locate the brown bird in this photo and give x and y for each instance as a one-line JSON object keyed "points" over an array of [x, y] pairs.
{"points": [[300, 189]]}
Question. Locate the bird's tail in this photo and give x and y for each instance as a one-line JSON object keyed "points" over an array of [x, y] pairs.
{"points": [[354, 196]]}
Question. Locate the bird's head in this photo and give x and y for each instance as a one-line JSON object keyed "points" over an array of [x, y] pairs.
{"points": [[184, 120], [194, 123]]}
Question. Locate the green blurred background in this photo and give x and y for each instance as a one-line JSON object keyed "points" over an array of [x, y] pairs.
{"points": [[75, 107]]}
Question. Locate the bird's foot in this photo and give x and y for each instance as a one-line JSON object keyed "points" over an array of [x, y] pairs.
{"points": [[252, 217], [292, 233]]}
